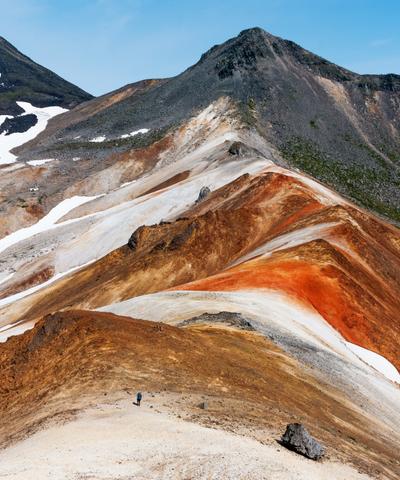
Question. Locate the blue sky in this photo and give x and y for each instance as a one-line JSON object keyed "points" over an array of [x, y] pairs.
{"points": [[103, 44]]}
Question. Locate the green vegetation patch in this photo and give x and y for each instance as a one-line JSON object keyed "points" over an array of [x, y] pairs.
{"points": [[361, 183]]}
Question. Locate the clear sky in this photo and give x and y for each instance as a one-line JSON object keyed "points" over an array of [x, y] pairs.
{"points": [[101, 45]]}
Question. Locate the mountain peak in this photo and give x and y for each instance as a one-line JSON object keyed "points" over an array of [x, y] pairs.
{"points": [[254, 32], [22, 79]]}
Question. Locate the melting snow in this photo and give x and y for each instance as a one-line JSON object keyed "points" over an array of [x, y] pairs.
{"points": [[8, 142], [376, 361], [46, 223], [36, 163], [98, 139], [136, 132]]}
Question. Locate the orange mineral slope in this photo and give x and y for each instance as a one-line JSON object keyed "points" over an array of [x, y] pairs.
{"points": [[337, 260], [276, 230], [75, 358]]}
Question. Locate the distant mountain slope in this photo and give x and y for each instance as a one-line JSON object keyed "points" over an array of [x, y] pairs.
{"points": [[341, 127], [24, 80]]}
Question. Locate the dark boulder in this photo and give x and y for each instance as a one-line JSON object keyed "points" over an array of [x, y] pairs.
{"points": [[236, 148], [297, 438], [204, 192], [240, 149], [232, 319]]}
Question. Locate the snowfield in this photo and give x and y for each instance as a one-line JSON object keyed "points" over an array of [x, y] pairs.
{"points": [[136, 132], [8, 142], [376, 361], [38, 163], [98, 139], [46, 223]]}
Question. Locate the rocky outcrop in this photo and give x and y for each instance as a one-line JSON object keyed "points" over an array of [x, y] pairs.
{"points": [[204, 192], [297, 438], [231, 319], [18, 124]]}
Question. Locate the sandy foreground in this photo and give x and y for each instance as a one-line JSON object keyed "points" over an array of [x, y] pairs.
{"points": [[121, 441]]}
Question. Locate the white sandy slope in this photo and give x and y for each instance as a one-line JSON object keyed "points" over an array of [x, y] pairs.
{"points": [[265, 306], [122, 219], [8, 142], [121, 441], [289, 240], [46, 223]]}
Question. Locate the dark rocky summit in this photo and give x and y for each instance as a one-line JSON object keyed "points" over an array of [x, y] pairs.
{"points": [[24, 80], [336, 125], [297, 438]]}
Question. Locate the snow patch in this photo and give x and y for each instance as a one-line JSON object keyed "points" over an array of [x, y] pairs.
{"points": [[37, 163], [376, 361], [136, 132], [6, 277], [46, 223], [8, 142], [98, 139]]}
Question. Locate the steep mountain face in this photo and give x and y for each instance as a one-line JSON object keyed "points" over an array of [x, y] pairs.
{"points": [[186, 202], [24, 80], [340, 127]]}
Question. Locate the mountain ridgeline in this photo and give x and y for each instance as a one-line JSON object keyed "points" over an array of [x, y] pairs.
{"points": [[24, 80], [338, 126]]}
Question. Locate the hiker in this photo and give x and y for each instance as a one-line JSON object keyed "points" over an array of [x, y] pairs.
{"points": [[138, 398]]}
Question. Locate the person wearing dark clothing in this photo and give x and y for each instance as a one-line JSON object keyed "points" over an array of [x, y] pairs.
{"points": [[138, 399]]}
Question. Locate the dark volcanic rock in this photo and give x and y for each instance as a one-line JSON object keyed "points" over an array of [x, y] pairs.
{"points": [[24, 80], [239, 148], [204, 192], [232, 319], [236, 148], [18, 124], [52, 326], [133, 241], [297, 438], [183, 236]]}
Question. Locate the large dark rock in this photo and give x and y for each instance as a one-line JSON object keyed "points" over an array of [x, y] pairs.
{"points": [[204, 192], [18, 124], [232, 319], [297, 438]]}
